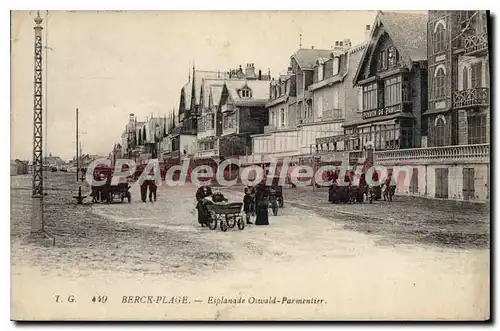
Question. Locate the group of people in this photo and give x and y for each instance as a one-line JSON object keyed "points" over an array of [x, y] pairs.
{"points": [[255, 201]]}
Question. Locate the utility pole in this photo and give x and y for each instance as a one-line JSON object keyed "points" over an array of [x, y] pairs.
{"points": [[77, 154], [37, 193], [37, 219]]}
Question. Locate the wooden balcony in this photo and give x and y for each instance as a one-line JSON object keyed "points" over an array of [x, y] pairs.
{"points": [[435, 155], [476, 45], [475, 97]]}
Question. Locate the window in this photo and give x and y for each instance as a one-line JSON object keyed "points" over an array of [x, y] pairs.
{"points": [[383, 60], [439, 86], [393, 91], [273, 118], [319, 106], [245, 93], [320, 73], [476, 75], [393, 56], [476, 129], [439, 38], [440, 129], [370, 97], [335, 66], [465, 79], [282, 117]]}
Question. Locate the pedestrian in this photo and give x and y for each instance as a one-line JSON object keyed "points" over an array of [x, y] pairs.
{"points": [[152, 190], [144, 191], [249, 202], [262, 204]]}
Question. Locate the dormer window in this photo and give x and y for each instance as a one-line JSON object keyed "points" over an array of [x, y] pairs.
{"points": [[246, 93]]}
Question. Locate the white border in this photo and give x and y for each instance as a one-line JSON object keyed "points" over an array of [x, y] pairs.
{"points": [[179, 5]]}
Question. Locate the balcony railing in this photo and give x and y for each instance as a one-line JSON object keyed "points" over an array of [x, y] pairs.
{"points": [[479, 96], [435, 155], [476, 44]]}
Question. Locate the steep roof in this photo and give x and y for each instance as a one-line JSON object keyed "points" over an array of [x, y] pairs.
{"points": [[260, 89], [199, 76], [216, 91], [206, 86], [306, 58], [408, 32]]}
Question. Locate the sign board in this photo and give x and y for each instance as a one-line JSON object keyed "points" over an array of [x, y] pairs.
{"points": [[381, 112]]}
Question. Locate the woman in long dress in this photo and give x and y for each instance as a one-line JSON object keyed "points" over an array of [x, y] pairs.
{"points": [[262, 205]]}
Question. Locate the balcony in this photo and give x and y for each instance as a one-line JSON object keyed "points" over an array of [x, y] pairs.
{"points": [[476, 45], [479, 96], [435, 155]]}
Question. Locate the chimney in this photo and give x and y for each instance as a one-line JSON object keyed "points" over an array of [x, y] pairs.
{"points": [[260, 74], [250, 71], [312, 47], [289, 71], [367, 32], [338, 46]]}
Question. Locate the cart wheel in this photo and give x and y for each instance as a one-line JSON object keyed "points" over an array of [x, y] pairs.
{"points": [[223, 226], [212, 222], [281, 203], [241, 224], [231, 221]]}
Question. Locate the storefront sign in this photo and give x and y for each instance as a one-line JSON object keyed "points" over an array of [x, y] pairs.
{"points": [[373, 113], [381, 112], [393, 110]]}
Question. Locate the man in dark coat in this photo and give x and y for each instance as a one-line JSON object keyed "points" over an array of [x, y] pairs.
{"points": [[144, 190], [152, 190], [249, 201]]}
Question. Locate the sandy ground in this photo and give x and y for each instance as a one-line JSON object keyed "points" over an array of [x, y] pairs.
{"points": [[158, 249]]}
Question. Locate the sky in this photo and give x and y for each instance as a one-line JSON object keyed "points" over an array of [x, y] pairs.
{"points": [[110, 64]]}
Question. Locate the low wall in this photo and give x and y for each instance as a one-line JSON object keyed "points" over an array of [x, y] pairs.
{"points": [[451, 172]]}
